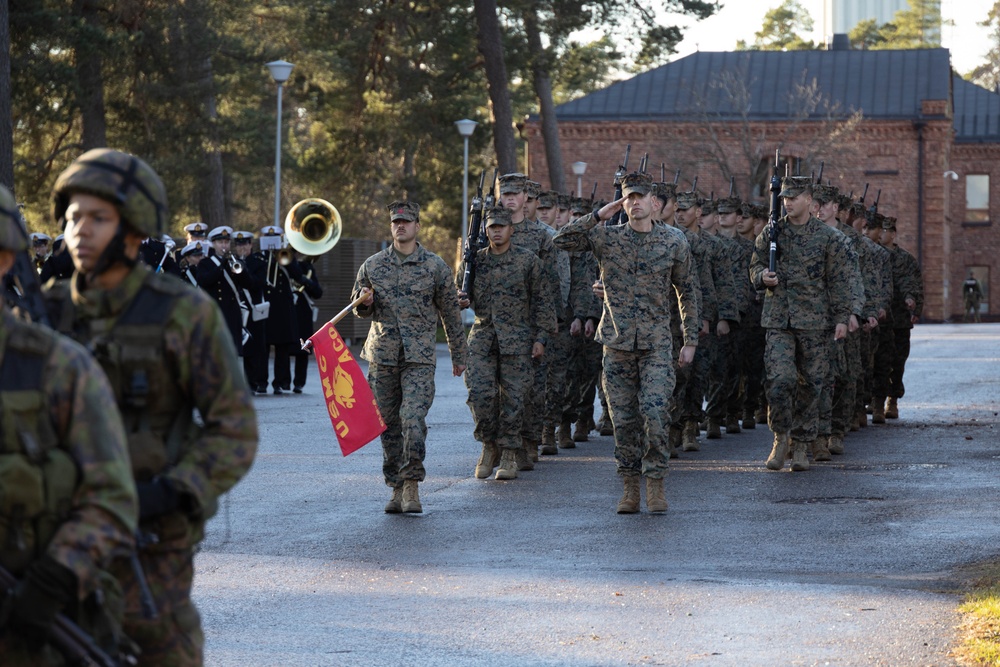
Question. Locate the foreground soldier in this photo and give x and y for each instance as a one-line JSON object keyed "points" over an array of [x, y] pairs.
{"points": [[637, 261], [806, 297], [69, 442], [168, 353], [408, 289], [514, 322]]}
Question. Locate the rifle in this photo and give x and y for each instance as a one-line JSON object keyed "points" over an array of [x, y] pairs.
{"points": [[663, 172], [22, 288], [593, 193], [819, 179], [619, 177], [874, 207], [642, 163], [772, 225], [66, 636], [732, 184], [472, 241], [677, 177], [694, 185], [863, 195]]}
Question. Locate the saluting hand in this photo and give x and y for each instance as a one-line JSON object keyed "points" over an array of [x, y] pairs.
{"points": [[609, 210]]}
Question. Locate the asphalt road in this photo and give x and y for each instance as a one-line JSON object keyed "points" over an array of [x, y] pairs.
{"points": [[851, 563]]}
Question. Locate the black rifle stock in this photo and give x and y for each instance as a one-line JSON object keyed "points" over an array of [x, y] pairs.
{"points": [[472, 240], [620, 216], [772, 225], [874, 207], [819, 178], [66, 636], [677, 177], [593, 193]]}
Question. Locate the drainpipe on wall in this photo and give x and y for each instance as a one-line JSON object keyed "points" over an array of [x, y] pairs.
{"points": [[920, 192]]}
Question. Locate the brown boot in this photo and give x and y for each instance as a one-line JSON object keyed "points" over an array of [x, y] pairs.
{"points": [[749, 421], [655, 500], [581, 430], [776, 461], [508, 464], [524, 461], [761, 415], [674, 440], [565, 436], [732, 425], [819, 448], [549, 439], [689, 438], [799, 460], [862, 419], [487, 460], [531, 450], [878, 411], [892, 409], [836, 445], [395, 504], [411, 498], [604, 426], [629, 504]]}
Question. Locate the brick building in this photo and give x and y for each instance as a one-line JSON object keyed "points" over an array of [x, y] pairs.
{"points": [[901, 121]]}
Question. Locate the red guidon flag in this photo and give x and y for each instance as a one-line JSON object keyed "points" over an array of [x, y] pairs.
{"points": [[349, 400]]}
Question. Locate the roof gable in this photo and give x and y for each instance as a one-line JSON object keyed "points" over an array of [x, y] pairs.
{"points": [[977, 112]]}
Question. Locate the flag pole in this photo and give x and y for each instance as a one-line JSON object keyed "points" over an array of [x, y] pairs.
{"points": [[307, 343]]}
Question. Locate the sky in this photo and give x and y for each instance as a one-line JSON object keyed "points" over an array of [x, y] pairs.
{"points": [[740, 19]]}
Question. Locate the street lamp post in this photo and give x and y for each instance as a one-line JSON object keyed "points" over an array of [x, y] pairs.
{"points": [[579, 168], [280, 71], [465, 128]]}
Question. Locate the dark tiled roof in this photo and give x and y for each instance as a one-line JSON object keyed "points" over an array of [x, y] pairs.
{"points": [[881, 84], [977, 112]]}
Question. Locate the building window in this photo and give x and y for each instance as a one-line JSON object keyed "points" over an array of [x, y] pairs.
{"points": [[977, 198]]}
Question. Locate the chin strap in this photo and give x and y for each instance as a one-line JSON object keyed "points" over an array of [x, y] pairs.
{"points": [[114, 253]]}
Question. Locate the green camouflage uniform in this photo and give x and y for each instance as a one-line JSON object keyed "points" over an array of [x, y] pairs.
{"points": [[585, 360], [909, 285], [57, 407], [635, 331], [812, 296], [167, 351], [560, 347], [715, 349], [882, 263], [410, 295], [512, 313]]}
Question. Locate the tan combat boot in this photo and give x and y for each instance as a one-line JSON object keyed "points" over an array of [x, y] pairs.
{"points": [[629, 504], [674, 441], [524, 462], [581, 430], [565, 436], [411, 497], [862, 419], [395, 504], [892, 409], [878, 411], [487, 460], [531, 450], [655, 500], [733, 424], [761, 415], [604, 426], [799, 460], [689, 438], [776, 461], [749, 420], [819, 448], [836, 445], [549, 439], [508, 465], [713, 430]]}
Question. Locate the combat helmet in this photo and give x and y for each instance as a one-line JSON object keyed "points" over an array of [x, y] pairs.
{"points": [[124, 180], [12, 235]]}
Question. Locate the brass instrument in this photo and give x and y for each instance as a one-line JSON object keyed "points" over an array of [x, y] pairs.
{"points": [[235, 265], [313, 226]]}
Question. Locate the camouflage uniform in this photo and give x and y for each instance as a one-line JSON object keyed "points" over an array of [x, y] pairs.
{"points": [[715, 349], [907, 284], [511, 315], [635, 331], [812, 295], [167, 353], [68, 502], [411, 293]]}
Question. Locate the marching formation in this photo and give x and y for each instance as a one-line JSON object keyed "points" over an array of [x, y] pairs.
{"points": [[685, 313]]}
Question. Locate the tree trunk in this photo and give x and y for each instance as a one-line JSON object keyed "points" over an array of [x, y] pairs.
{"points": [[211, 194], [543, 89], [491, 47], [89, 77], [6, 122]]}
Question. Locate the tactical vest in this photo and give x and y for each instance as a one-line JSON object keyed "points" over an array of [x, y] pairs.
{"points": [[131, 350], [37, 479]]}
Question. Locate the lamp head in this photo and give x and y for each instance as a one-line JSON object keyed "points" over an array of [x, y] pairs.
{"points": [[280, 70]]}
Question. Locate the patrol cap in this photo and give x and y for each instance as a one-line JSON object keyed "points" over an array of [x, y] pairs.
{"points": [[793, 186], [548, 199], [12, 235], [498, 216], [404, 210], [844, 202], [513, 183], [665, 191], [686, 200], [637, 183], [889, 223], [242, 237], [564, 202], [220, 233], [532, 188], [579, 205], [873, 220], [748, 210], [271, 230], [826, 193], [708, 206], [729, 205], [196, 229], [193, 248]]}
